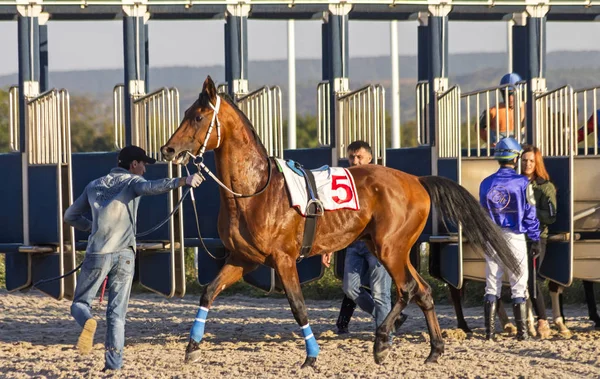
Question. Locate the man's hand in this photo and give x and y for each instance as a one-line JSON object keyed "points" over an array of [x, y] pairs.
{"points": [[326, 259], [536, 249], [194, 180]]}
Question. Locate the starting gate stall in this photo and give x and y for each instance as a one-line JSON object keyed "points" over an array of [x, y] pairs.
{"points": [[36, 247], [572, 160], [360, 116], [160, 254], [463, 157]]}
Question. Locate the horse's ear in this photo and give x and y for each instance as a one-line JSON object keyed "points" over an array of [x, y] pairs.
{"points": [[209, 89]]}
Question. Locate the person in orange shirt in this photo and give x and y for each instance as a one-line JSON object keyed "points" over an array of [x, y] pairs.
{"points": [[499, 119]]}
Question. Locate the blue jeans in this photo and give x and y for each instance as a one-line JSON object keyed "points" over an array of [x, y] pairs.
{"points": [[363, 267], [119, 267]]}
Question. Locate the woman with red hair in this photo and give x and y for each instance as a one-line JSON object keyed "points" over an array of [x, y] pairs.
{"points": [[544, 196]]}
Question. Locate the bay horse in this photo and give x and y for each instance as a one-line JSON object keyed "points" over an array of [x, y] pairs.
{"points": [[260, 226]]}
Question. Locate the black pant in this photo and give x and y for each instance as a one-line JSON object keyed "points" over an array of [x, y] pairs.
{"points": [[539, 307]]}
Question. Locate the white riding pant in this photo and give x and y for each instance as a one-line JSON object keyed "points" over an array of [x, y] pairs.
{"points": [[494, 270]]}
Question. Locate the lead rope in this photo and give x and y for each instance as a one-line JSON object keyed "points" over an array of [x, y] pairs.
{"points": [[198, 224]]}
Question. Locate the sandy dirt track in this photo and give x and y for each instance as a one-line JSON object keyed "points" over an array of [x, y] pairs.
{"points": [[258, 338]]}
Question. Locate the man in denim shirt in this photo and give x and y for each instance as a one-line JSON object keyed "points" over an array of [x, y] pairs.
{"points": [[362, 268], [113, 202]]}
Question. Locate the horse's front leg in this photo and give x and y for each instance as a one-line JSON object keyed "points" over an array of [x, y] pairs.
{"points": [[286, 268], [231, 272]]}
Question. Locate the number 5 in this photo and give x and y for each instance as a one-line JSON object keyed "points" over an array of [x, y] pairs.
{"points": [[335, 184]]}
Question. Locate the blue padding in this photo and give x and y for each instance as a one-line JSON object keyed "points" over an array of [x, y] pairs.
{"points": [[207, 204], [413, 160], [310, 158], [17, 271], [46, 266], [87, 167], [10, 247], [43, 204], [262, 278], [156, 271], [451, 265], [208, 267], [11, 216], [558, 169], [154, 209], [448, 168], [309, 269], [340, 261], [557, 263]]}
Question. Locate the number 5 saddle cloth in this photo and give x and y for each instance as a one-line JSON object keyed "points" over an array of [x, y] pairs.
{"points": [[335, 186]]}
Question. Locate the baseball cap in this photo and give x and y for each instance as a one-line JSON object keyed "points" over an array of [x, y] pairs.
{"points": [[134, 153]]}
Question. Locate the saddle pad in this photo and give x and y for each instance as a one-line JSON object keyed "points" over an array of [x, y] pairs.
{"points": [[335, 188]]}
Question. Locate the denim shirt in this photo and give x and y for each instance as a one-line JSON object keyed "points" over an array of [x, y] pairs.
{"points": [[113, 200], [504, 196]]}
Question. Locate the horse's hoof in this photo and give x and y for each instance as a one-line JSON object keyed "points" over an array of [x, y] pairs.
{"points": [[192, 352], [436, 351], [309, 362], [465, 329], [381, 351]]}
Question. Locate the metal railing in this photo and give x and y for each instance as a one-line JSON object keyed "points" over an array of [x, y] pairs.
{"points": [[223, 88], [486, 110], [586, 100], [263, 108], [449, 115], [155, 118], [361, 116], [555, 128], [422, 102], [13, 118], [119, 115], [324, 113], [48, 123]]}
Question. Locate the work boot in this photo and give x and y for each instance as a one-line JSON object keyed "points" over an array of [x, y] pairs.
{"points": [[346, 312], [489, 314], [562, 328], [86, 338], [520, 312], [543, 329]]}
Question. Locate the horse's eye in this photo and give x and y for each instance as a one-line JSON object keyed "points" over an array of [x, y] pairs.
{"points": [[198, 118]]}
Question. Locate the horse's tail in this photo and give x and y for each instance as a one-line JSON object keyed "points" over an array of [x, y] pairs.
{"points": [[457, 205]]}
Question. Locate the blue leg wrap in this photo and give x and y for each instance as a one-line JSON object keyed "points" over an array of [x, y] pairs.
{"points": [[490, 298], [198, 328], [312, 348]]}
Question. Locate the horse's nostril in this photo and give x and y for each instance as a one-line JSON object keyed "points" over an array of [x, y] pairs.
{"points": [[167, 151]]}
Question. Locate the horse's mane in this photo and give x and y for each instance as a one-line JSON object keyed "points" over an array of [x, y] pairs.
{"points": [[229, 100]]}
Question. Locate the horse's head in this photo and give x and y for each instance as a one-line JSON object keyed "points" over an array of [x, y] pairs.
{"points": [[199, 130]]}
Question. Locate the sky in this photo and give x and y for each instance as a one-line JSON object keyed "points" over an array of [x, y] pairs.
{"points": [[80, 45]]}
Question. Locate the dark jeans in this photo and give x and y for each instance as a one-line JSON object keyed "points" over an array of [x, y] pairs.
{"points": [[539, 307]]}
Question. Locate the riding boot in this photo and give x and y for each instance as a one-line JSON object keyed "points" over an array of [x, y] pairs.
{"points": [[489, 314], [520, 312], [346, 312]]}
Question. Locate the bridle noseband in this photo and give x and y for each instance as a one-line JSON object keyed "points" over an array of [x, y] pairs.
{"points": [[198, 160]]}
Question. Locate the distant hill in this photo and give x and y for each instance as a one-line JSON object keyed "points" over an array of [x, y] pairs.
{"points": [[471, 71]]}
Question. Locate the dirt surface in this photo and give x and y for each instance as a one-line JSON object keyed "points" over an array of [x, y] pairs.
{"points": [[258, 338]]}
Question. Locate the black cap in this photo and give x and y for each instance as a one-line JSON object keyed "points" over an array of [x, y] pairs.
{"points": [[134, 153]]}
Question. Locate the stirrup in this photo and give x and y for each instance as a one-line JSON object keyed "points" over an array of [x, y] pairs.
{"points": [[319, 209]]}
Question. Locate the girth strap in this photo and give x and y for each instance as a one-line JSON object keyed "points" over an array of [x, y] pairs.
{"points": [[314, 209]]}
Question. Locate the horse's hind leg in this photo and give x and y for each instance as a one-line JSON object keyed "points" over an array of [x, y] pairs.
{"points": [[425, 302], [456, 297], [286, 268], [231, 272]]}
